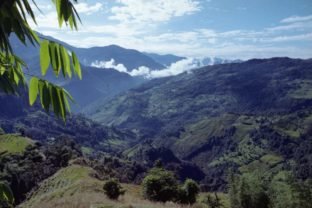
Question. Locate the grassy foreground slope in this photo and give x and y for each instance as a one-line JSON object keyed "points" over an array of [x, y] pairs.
{"points": [[74, 186]]}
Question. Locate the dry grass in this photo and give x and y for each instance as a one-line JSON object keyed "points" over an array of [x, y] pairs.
{"points": [[99, 200]]}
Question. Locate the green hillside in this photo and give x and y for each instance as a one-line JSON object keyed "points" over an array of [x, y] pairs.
{"points": [[255, 113], [74, 186], [13, 143]]}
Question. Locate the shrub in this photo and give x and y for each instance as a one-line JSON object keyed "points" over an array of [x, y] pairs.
{"points": [[113, 189], [213, 201], [2, 131], [188, 192], [160, 185]]}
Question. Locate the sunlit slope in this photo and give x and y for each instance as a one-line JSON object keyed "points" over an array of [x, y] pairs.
{"points": [[231, 116], [74, 186], [13, 144]]}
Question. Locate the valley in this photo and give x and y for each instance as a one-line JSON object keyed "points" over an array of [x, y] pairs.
{"points": [[238, 116], [152, 104]]}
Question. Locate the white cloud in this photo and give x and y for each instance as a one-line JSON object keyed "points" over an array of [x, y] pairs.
{"points": [[110, 65], [45, 20], [179, 67], [84, 8], [141, 71], [296, 19], [292, 26], [301, 37], [142, 11]]}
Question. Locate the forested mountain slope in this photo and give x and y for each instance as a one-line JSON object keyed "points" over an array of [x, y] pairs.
{"points": [[256, 113]]}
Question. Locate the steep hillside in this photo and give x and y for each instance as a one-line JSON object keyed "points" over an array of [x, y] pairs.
{"points": [[256, 113], [99, 86], [17, 116], [257, 87]]}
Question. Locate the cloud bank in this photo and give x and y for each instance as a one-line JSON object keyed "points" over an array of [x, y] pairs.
{"points": [[176, 68]]}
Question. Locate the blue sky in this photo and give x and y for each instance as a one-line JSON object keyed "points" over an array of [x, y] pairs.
{"points": [[195, 28]]}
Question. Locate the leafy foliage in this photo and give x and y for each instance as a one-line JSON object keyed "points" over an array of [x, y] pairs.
{"points": [[6, 195], [287, 192], [255, 190], [25, 170], [47, 93], [188, 192], [13, 19], [159, 185], [248, 191], [213, 201], [113, 189]]}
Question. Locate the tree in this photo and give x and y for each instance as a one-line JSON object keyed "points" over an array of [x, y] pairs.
{"points": [[233, 181], [287, 192], [187, 194], [113, 189], [213, 201], [160, 185], [248, 190], [13, 20]]}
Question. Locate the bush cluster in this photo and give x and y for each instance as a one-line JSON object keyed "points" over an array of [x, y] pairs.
{"points": [[161, 185], [113, 189]]}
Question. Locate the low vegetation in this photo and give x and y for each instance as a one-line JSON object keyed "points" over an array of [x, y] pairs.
{"points": [[74, 186], [256, 190], [161, 185]]}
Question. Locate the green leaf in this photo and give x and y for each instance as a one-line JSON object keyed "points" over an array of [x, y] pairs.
{"points": [[33, 90], [44, 95], [76, 64], [66, 102], [55, 57], [54, 99], [59, 12], [6, 193], [44, 57], [65, 62], [61, 103]]}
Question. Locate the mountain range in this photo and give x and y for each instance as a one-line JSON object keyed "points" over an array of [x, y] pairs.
{"points": [[98, 85]]}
